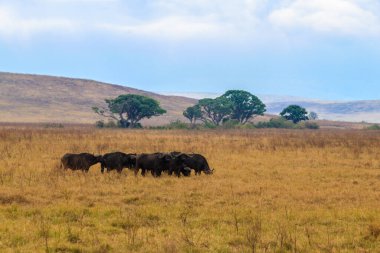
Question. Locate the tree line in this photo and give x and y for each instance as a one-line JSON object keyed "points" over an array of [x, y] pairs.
{"points": [[237, 106]]}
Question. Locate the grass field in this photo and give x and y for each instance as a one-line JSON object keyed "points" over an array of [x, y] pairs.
{"points": [[272, 191]]}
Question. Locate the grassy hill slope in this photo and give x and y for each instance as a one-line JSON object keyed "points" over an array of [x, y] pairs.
{"points": [[37, 98]]}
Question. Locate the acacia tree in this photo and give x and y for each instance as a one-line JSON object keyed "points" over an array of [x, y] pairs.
{"points": [[244, 105], [215, 110], [129, 109], [294, 113], [193, 113]]}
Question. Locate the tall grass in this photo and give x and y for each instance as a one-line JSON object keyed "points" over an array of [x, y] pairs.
{"points": [[272, 191]]}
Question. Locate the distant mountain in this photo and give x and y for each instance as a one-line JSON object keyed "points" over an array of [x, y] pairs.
{"points": [[38, 98]]}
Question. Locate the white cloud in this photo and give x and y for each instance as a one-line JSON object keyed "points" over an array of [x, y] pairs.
{"points": [[12, 25], [199, 19], [345, 17], [170, 28], [77, 1], [179, 20]]}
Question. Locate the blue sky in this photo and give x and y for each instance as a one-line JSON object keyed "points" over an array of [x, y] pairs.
{"points": [[325, 49]]}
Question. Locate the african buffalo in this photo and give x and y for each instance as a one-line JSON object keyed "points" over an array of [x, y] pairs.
{"points": [[118, 161], [82, 161], [197, 162], [178, 164], [156, 163]]}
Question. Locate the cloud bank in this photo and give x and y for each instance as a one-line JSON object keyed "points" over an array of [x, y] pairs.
{"points": [[177, 20]]}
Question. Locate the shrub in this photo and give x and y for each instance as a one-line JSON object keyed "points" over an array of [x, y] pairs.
{"points": [[374, 127], [276, 123], [53, 125], [109, 124], [177, 125], [210, 125], [112, 124], [230, 124], [99, 124], [248, 125], [173, 125]]}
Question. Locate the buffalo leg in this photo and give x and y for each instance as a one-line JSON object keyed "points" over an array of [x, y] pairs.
{"points": [[178, 172], [136, 170]]}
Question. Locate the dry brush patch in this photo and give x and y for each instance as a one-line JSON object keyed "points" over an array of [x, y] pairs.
{"points": [[272, 191]]}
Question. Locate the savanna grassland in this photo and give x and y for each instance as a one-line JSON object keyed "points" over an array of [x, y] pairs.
{"points": [[272, 191]]}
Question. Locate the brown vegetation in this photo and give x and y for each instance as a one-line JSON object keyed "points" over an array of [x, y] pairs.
{"points": [[272, 191]]}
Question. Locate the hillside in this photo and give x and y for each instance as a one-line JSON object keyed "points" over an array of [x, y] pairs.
{"points": [[37, 98]]}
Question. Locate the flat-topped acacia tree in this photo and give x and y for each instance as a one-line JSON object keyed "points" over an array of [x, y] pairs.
{"points": [[129, 109], [215, 110], [294, 113], [193, 113], [244, 105], [236, 105]]}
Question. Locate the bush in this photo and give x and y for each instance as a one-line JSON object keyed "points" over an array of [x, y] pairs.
{"points": [[374, 127], [173, 125], [309, 125], [248, 125], [276, 123], [53, 125], [177, 125], [283, 123], [109, 124], [230, 124], [99, 124], [210, 125]]}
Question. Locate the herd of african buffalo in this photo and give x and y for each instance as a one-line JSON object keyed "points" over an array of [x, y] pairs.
{"points": [[156, 163]]}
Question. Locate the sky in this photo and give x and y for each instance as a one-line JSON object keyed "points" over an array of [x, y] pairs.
{"points": [[324, 49]]}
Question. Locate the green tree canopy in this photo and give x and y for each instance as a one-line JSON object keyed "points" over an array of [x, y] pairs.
{"points": [[193, 113], [294, 113], [215, 110], [129, 109], [244, 105]]}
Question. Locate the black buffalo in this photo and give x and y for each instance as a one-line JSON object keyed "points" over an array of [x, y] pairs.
{"points": [[118, 161], [82, 161], [197, 162], [156, 163], [178, 164]]}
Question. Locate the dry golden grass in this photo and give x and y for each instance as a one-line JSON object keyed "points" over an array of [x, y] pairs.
{"points": [[272, 191]]}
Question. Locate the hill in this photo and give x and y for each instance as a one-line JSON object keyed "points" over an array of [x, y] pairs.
{"points": [[38, 98]]}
